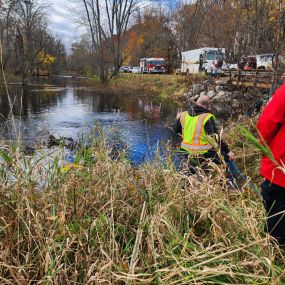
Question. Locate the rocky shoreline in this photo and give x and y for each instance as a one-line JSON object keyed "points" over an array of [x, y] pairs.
{"points": [[227, 100]]}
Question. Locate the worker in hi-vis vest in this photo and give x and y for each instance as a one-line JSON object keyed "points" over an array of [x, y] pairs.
{"points": [[196, 127]]}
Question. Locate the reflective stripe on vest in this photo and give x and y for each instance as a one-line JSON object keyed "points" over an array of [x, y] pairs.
{"points": [[193, 133]]}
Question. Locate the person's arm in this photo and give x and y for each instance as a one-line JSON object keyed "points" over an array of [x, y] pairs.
{"points": [[273, 116], [177, 128], [211, 129]]}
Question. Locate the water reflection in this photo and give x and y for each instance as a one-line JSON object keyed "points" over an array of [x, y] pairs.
{"points": [[67, 107]]}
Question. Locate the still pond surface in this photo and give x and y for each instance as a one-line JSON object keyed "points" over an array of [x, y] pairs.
{"points": [[66, 107]]}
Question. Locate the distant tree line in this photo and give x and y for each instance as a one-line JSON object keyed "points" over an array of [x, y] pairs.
{"points": [[27, 47], [120, 32]]}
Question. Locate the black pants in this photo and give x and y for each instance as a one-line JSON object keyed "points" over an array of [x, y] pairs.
{"points": [[274, 202], [202, 160]]}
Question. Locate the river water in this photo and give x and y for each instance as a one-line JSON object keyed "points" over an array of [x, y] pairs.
{"points": [[66, 107]]}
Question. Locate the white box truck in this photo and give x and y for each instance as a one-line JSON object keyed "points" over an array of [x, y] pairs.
{"points": [[200, 60]]}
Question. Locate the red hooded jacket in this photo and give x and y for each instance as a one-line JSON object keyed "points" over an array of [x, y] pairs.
{"points": [[271, 126]]}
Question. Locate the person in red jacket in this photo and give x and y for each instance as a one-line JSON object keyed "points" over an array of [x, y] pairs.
{"points": [[271, 126]]}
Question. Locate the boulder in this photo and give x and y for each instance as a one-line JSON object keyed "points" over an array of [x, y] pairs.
{"points": [[236, 95], [227, 98], [219, 88], [221, 82], [221, 109], [196, 97], [211, 94], [200, 87], [206, 84], [235, 103], [221, 94], [197, 89], [189, 94]]}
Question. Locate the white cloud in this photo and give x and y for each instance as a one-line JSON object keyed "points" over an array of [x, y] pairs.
{"points": [[61, 22]]}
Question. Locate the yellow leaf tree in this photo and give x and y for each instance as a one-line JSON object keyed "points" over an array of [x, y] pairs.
{"points": [[44, 62]]}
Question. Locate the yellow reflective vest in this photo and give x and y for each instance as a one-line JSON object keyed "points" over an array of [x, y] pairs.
{"points": [[194, 136]]}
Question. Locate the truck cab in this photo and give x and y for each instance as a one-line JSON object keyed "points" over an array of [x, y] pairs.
{"points": [[202, 60]]}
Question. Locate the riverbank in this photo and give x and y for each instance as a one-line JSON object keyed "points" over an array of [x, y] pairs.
{"points": [[166, 86], [228, 100], [102, 221], [10, 78], [161, 86]]}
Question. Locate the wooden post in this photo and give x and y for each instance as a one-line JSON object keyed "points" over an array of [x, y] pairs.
{"points": [[239, 76], [255, 79]]}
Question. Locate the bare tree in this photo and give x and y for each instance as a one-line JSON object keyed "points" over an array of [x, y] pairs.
{"points": [[189, 19], [7, 28], [107, 22], [30, 22]]}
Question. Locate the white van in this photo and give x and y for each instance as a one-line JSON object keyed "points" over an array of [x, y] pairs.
{"points": [[200, 60]]}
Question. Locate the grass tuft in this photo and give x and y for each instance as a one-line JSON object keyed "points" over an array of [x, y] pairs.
{"points": [[108, 223]]}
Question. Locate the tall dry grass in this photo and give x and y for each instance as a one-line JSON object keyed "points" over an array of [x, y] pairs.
{"points": [[166, 86], [104, 222]]}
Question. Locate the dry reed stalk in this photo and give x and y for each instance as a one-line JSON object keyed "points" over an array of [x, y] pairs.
{"points": [[90, 227], [6, 87], [137, 244]]}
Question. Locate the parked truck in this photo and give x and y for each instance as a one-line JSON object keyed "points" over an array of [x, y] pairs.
{"points": [[267, 61], [201, 60], [152, 65]]}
